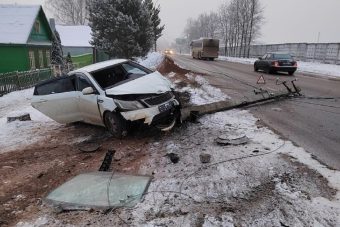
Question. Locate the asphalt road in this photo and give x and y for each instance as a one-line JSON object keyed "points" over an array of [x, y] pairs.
{"points": [[311, 123]]}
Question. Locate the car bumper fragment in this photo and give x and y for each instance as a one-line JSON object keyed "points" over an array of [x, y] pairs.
{"points": [[148, 113]]}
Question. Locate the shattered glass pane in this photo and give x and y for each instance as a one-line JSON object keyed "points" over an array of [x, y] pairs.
{"points": [[99, 190]]}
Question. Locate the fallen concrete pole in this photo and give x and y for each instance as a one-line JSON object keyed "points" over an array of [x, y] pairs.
{"points": [[199, 110]]}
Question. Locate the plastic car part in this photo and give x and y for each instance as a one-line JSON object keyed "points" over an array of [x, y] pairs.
{"points": [[101, 190]]}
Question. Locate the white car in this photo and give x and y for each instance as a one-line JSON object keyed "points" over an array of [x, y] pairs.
{"points": [[110, 94]]}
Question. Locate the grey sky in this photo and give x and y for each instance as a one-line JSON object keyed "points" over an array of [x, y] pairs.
{"points": [[285, 20]]}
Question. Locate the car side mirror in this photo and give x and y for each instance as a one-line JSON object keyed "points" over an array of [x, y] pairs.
{"points": [[87, 91], [260, 58]]}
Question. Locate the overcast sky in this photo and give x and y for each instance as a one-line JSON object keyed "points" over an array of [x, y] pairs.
{"points": [[285, 20]]}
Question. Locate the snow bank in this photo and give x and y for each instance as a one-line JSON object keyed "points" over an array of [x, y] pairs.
{"points": [[316, 68], [152, 60], [204, 93]]}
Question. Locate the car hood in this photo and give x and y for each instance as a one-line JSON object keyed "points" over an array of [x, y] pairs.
{"points": [[153, 83]]}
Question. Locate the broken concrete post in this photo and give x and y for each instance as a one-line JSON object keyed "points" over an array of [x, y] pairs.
{"points": [[205, 158], [21, 117], [174, 158]]}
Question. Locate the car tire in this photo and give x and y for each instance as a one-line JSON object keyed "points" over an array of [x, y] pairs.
{"points": [[255, 68], [291, 73], [115, 124]]}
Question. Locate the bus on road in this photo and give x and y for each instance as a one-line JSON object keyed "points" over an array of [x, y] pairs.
{"points": [[205, 48]]}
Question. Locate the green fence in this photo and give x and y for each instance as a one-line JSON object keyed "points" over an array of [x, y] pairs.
{"points": [[14, 81], [82, 60]]}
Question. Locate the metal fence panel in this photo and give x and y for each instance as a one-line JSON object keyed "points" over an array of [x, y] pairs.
{"points": [[316, 52], [14, 81]]}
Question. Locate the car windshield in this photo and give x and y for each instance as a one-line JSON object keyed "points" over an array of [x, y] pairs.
{"points": [[282, 56], [119, 74]]}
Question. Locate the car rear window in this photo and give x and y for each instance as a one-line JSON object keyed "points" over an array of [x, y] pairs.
{"points": [[55, 86], [282, 56]]}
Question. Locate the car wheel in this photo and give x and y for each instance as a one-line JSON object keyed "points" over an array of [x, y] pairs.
{"points": [[291, 73], [115, 124], [255, 68]]}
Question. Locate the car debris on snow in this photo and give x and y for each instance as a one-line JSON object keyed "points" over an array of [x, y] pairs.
{"points": [[205, 158], [101, 190], [225, 140], [174, 158], [19, 117]]}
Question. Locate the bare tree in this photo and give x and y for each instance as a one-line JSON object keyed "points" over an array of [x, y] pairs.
{"points": [[206, 25], [70, 12], [240, 22]]}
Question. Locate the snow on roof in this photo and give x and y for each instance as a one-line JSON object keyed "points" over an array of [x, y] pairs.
{"points": [[16, 22], [75, 36], [101, 65]]}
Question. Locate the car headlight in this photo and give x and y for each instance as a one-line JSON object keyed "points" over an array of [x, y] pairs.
{"points": [[129, 105]]}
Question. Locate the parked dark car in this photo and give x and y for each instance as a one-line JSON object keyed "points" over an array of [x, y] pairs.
{"points": [[276, 62]]}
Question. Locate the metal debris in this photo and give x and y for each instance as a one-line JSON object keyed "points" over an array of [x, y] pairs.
{"points": [[21, 117], [88, 147], [225, 141], [205, 158], [105, 166]]}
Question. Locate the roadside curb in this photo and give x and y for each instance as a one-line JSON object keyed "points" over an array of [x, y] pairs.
{"points": [[320, 77]]}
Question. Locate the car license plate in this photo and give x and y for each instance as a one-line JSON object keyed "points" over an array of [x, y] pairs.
{"points": [[166, 106]]}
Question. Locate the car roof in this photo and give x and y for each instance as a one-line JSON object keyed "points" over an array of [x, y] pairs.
{"points": [[100, 65]]}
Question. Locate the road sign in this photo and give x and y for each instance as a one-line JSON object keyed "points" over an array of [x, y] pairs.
{"points": [[261, 80]]}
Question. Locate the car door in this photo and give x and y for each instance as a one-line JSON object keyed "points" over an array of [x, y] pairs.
{"points": [[58, 100], [261, 63], [268, 62], [88, 104]]}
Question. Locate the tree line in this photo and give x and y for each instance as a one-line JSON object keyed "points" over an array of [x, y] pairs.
{"points": [[120, 28], [237, 23]]}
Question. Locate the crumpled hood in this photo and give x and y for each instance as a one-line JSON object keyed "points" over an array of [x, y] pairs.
{"points": [[153, 83]]}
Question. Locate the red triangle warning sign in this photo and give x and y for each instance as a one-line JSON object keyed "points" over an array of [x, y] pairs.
{"points": [[261, 80]]}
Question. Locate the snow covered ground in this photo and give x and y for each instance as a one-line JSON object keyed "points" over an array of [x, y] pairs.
{"points": [[320, 69], [202, 92], [19, 134]]}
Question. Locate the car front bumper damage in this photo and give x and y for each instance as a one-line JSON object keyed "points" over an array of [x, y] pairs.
{"points": [[154, 114]]}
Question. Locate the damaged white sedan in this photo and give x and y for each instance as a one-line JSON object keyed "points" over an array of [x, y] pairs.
{"points": [[111, 94]]}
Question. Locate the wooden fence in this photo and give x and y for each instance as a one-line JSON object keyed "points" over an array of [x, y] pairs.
{"points": [[14, 81]]}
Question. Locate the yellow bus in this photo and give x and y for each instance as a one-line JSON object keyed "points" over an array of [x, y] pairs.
{"points": [[205, 48]]}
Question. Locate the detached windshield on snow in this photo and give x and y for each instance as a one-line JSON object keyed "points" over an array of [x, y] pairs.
{"points": [[119, 74]]}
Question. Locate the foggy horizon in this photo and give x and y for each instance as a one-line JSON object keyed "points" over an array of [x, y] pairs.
{"points": [[284, 21]]}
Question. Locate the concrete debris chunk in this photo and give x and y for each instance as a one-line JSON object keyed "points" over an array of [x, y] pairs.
{"points": [[88, 147], [174, 158], [225, 141], [205, 158], [20, 117]]}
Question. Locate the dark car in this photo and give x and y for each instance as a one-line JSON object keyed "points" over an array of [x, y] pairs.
{"points": [[276, 62]]}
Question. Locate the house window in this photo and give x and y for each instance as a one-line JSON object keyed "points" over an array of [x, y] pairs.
{"points": [[37, 26], [31, 58], [41, 59], [48, 57]]}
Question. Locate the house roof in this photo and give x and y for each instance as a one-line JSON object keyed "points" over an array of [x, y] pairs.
{"points": [[16, 22], [75, 36]]}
